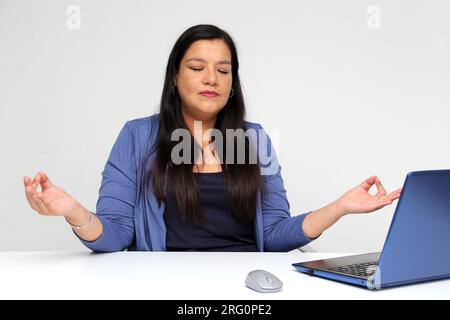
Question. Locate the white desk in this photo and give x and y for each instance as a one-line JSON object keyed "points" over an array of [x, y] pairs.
{"points": [[177, 275]]}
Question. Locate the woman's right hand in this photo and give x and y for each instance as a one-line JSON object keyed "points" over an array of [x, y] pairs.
{"points": [[52, 201]]}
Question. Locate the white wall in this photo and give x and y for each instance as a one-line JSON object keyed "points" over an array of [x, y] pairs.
{"points": [[349, 101]]}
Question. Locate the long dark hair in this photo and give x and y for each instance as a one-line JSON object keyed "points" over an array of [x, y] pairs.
{"points": [[243, 180]]}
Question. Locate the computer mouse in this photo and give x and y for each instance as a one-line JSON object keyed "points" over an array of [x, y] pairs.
{"points": [[263, 281]]}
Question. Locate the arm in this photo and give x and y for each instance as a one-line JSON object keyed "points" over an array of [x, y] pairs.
{"points": [[316, 222], [112, 228], [283, 232], [356, 200], [55, 201], [79, 218]]}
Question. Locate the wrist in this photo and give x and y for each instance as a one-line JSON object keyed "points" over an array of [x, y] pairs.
{"points": [[78, 217], [338, 210]]}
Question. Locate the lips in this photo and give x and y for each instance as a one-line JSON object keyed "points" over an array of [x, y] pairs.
{"points": [[209, 94]]}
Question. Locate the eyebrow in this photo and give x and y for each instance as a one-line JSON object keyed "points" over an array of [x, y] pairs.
{"points": [[203, 60]]}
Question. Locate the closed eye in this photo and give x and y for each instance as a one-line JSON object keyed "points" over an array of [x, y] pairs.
{"points": [[200, 69]]}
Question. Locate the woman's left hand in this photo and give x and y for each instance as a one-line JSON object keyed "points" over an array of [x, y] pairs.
{"points": [[359, 200]]}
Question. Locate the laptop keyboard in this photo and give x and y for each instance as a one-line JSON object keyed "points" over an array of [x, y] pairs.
{"points": [[359, 269]]}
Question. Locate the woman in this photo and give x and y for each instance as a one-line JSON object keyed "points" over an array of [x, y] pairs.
{"points": [[150, 200]]}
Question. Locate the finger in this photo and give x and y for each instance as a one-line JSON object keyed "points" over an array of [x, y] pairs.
{"points": [[394, 195], [27, 181], [366, 184], [45, 181], [31, 183], [39, 204], [35, 181], [382, 203], [33, 196], [375, 205], [380, 188], [29, 199]]}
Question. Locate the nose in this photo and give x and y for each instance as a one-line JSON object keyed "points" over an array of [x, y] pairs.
{"points": [[210, 77]]}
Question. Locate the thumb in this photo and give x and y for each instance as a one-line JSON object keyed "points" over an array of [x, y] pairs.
{"points": [[45, 181]]}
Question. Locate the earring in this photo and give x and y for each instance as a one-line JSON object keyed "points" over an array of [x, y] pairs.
{"points": [[232, 93], [173, 90]]}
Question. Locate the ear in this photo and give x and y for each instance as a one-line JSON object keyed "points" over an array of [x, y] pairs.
{"points": [[175, 80]]}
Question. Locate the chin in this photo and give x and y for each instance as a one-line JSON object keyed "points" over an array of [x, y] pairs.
{"points": [[209, 109]]}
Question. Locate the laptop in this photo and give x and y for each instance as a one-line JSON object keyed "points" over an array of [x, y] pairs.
{"points": [[417, 247]]}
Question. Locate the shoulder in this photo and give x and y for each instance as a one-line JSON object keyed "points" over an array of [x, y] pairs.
{"points": [[257, 130], [144, 124], [252, 125], [141, 133], [143, 130], [265, 149]]}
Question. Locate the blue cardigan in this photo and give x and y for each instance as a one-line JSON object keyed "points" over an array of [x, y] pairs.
{"points": [[137, 223]]}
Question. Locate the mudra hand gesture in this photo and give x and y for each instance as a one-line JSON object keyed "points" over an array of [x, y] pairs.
{"points": [[359, 200]]}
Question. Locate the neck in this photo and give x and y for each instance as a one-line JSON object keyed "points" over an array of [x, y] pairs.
{"points": [[198, 127]]}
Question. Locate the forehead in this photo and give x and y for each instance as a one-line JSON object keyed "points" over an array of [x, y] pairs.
{"points": [[209, 50]]}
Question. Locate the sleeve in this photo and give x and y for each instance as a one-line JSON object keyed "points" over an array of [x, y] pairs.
{"points": [[281, 231], [117, 195]]}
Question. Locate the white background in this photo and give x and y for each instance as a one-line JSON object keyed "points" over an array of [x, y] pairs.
{"points": [[348, 101]]}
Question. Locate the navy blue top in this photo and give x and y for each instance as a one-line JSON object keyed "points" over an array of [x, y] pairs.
{"points": [[220, 231]]}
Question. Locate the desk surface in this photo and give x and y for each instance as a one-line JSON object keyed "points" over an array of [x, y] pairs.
{"points": [[178, 275]]}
